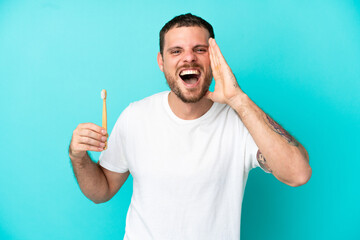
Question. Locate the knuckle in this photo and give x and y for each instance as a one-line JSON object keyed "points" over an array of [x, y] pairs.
{"points": [[87, 140], [99, 136], [92, 134]]}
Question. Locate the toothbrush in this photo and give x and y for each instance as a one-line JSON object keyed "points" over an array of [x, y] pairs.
{"points": [[104, 117]]}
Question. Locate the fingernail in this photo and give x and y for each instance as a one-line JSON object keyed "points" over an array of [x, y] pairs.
{"points": [[103, 139], [102, 144], [103, 131]]}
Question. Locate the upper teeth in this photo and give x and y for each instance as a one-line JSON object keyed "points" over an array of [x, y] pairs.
{"points": [[186, 72]]}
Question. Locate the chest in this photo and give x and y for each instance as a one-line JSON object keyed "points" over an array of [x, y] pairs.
{"points": [[199, 153]]}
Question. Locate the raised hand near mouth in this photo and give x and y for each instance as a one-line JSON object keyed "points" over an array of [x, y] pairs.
{"points": [[226, 86], [278, 151]]}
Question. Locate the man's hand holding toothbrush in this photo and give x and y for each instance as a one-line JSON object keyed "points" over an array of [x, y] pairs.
{"points": [[87, 137]]}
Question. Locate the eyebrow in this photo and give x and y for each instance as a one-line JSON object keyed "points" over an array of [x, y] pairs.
{"points": [[200, 45]]}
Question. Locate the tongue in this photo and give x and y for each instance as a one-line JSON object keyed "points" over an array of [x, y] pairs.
{"points": [[191, 81]]}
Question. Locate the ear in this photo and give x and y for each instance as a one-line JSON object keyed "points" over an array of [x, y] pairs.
{"points": [[160, 62]]}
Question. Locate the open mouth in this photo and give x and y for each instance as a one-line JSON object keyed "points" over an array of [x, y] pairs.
{"points": [[190, 77]]}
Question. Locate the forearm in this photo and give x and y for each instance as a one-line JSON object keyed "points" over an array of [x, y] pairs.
{"points": [[91, 179], [286, 158]]}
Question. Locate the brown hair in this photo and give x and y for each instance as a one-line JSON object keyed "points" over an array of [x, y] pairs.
{"points": [[184, 20]]}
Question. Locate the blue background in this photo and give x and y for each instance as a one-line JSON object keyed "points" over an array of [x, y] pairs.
{"points": [[298, 60]]}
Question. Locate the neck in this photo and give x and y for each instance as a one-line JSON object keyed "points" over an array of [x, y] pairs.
{"points": [[188, 111]]}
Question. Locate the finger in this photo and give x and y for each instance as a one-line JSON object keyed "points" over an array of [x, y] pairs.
{"points": [[212, 60], [91, 134], [212, 56], [90, 142], [217, 57], [93, 127], [211, 50], [217, 52], [84, 147]]}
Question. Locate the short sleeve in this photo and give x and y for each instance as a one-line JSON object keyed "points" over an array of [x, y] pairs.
{"points": [[251, 150], [113, 158]]}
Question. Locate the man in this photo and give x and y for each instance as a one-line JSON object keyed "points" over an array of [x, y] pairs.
{"points": [[189, 150]]}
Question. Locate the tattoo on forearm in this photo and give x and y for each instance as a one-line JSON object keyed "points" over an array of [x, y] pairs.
{"points": [[262, 161], [281, 131]]}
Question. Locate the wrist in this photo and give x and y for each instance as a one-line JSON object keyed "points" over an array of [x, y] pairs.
{"points": [[240, 103], [238, 100], [76, 156]]}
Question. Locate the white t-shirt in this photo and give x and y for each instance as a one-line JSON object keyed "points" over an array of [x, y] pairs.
{"points": [[188, 175]]}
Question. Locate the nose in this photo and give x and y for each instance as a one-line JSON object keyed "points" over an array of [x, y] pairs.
{"points": [[189, 57]]}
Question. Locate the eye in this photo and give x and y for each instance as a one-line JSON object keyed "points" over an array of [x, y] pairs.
{"points": [[175, 52], [201, 50]]}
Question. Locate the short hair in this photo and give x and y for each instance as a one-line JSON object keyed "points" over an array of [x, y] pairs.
{"points": [[184, 20]]}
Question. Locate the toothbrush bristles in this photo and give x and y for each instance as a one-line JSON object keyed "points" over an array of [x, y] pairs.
{"points": [[103, 94]]}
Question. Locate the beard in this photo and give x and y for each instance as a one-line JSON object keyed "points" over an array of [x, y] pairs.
{"points": [[174, 86]]}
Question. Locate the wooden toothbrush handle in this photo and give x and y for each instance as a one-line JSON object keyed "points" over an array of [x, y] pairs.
{"points": [[104, 119]]}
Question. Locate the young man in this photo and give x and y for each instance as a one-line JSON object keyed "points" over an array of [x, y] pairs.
{"points": [[189, 150]]}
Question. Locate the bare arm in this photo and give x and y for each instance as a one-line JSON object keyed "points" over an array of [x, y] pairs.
{"points": [[279, 152], [97, 183]]}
